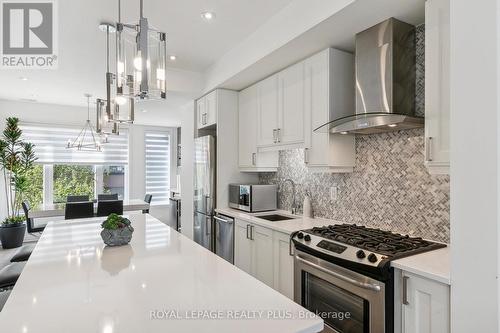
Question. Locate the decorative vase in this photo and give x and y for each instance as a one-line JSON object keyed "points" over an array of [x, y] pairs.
{"points": [[117, 237], [12, 235]]}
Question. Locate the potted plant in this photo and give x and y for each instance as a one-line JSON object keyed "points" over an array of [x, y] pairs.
{"points": [[117, 230], [16, 159]]}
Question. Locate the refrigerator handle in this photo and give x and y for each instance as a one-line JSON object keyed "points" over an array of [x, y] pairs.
{"points": [[207, 225], [207, 200]]}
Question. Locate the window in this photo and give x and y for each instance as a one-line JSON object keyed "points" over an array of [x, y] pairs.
{"points": [[73, 180], [34, 193], [114, 180], [60, 172], [157, 149]]}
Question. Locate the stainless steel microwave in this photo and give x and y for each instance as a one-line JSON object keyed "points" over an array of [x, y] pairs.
{"points": [[253, 198]]}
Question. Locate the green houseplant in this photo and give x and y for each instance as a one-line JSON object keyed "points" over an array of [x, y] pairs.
{"points": [[117, 230], [17, 157]]}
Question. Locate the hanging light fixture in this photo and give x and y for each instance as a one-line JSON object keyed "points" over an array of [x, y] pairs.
{"points": [[87, 139], [139, 66], [105, 127], [141, 58]]}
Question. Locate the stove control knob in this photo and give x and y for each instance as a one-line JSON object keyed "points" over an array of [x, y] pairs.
{"points": [[300, 235], [307, 238], [372, 257], [360, 254]]}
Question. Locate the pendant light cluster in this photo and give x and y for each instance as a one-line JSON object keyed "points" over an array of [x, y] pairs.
{"points": [[88, 139], [137, 71]]}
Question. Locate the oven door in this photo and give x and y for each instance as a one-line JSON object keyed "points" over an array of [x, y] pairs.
{"points": [[347, 301]]}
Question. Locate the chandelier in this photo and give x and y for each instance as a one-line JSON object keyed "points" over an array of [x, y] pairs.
{"points": [[88, 139], [139, 67]]}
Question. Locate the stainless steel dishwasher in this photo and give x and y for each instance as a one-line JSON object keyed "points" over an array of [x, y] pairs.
{"points": [[224, 237]]}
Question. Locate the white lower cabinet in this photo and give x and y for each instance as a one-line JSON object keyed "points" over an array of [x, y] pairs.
{"points": [[242, 246], [264, 254], [424, 304], [262, 247], [283, 264]]}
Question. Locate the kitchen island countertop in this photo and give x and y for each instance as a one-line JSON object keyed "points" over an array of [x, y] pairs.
{"points": [[161, 282]]}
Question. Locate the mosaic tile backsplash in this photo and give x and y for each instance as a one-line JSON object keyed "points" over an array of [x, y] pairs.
{"points": [[390, 187]]}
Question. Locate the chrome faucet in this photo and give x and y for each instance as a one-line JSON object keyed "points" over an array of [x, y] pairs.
{"points": [[294, 204]]}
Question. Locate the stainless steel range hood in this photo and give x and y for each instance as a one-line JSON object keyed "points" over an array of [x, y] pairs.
{"points": [[385, 82]]}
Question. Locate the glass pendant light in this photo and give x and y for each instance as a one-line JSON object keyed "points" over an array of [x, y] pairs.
{"points": [[105, 127], [87, 139], [141, 59]]}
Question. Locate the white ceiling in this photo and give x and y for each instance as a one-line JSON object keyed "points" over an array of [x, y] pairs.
{"points": [[196, 43]]}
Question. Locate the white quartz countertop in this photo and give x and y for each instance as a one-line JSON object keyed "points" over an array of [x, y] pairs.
{"points": [[161, 282], [434, 265]]}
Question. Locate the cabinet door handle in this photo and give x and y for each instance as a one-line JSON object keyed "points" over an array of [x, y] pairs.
{"points": [[251, 232], [254, 159], [279, 135], [248, 227], [405, 290], [204, 119], [306, 155], [274, 135], [290, 248], [428, 150]]}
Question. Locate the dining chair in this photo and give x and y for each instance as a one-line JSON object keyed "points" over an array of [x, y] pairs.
{"points": [[4, 296], [10, 273], [78, 210], [24, 253], [104, 208], [30, 223], [147, 199], [102, 197], [77, 198]]}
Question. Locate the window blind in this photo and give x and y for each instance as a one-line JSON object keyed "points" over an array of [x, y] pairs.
{"points": [[158, 166], [51, 140]]}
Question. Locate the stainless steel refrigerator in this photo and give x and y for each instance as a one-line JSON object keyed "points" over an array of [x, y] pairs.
{"points": [[204, 191]]}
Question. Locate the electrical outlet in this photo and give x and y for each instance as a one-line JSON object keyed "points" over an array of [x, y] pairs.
{"points": [[334, 192]]}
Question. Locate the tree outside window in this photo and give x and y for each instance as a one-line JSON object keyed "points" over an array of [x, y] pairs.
{"points": [[73, 180]]}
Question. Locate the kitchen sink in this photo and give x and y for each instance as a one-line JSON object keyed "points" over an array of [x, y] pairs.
{"points": [[275, 217]]}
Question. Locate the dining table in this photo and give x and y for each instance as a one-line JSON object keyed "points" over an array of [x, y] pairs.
{"points": [[162, 281], [57, 209]]}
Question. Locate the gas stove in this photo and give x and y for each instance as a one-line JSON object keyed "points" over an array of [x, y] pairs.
{"points": [[361, 245], [346, 268]]}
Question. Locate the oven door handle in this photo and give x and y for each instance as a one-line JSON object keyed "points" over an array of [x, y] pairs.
{"points": [[363, 285]]}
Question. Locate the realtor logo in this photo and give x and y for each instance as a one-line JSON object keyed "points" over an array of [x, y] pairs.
{"points": [[29, 38]]}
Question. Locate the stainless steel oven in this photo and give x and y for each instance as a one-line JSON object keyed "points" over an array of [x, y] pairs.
{"points": [[348, 302]]}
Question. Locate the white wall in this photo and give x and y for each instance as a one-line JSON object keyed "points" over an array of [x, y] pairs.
{"points": [[186, 172], [74, 115], [474, 165]]}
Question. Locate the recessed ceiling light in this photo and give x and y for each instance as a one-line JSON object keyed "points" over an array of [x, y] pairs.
{"points": [[343, 133], [144, 111], [208, 16], [172, 57], [392, 125], [23, 78]]}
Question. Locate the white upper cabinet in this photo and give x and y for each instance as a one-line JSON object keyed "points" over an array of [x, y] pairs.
{"points": [[329, 86], [267, 116], [206, 110], [250, 160], [291, 105], [437, 86]]}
